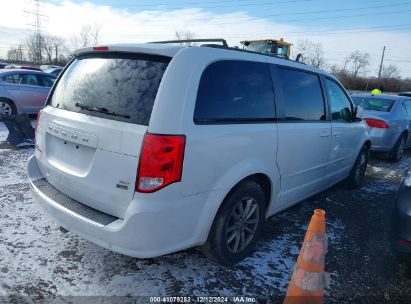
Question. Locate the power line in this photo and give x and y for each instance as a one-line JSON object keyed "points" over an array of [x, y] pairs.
{"points": [[308, 33], [204, 2], [219, 6], [261, 20]]}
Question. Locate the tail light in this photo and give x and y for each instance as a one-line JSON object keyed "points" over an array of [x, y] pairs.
{"points": [[100, 48], [404, 243], [161, 161], [37, 123], [376, 123]]}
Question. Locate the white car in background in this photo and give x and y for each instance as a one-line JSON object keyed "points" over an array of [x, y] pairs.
{"points": [[153, 148]]}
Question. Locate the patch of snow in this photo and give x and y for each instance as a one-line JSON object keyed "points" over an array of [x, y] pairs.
{"points": [[36, 258]]}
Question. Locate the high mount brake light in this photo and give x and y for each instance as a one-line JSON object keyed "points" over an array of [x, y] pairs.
{"points": [[100, 48], [161, 161], [376, 123]]}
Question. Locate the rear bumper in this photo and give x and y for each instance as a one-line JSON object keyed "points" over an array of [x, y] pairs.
{"points": [[383, 140], [400, 237], [155, 224]]}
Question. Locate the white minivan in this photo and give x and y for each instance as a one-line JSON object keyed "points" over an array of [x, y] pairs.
{"points": [[153, 148]]}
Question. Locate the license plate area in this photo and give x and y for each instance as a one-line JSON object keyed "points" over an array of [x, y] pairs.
{"points": [[68, 156]]}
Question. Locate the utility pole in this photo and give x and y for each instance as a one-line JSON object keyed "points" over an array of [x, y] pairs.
{"points": [[382, 61], [36, 25], [20, 53]]}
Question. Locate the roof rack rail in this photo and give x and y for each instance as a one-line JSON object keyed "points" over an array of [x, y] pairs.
{"points": [[223, 41]]}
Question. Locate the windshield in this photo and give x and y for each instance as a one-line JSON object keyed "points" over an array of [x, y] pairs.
{"points": [[124, 84], [260, 47], [372, 103]]}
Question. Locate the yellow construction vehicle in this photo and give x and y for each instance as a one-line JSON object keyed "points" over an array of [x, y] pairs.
{"points": [[276, 47]]}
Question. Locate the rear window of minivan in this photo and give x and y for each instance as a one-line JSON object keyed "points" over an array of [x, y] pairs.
{"points": [[117, 86]]}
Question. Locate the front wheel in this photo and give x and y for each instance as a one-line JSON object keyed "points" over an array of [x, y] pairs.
{"points": [[7, 107], [237, 225], [357, 174]]}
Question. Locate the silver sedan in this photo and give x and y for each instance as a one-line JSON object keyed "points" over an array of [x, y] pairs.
{"points": [[389, 118], [23, 91]]}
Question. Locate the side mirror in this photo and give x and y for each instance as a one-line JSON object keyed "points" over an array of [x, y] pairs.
{"points": [[359, 111]]}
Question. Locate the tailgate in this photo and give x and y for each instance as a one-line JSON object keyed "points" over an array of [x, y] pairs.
{"points": [[92, 160], [90, 134]]}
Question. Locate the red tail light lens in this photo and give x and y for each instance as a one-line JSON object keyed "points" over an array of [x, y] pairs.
{"points": [[100, 48], [376, 123], [37, 123], [404, 243], [161, 161]]}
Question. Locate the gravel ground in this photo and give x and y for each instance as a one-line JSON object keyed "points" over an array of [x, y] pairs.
{"points": [[38, 261]]}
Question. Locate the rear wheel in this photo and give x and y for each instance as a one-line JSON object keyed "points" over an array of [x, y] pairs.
{"points": [[357, 174], [398, 150], [237, 225], [7, 107]]}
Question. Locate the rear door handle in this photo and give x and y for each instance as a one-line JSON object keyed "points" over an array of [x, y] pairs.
{"points": [[337, 134], [325, 134]]}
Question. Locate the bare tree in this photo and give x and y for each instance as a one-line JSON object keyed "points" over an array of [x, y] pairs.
{"points": [[390, 72], [31, 47], [312, 53], [89, 35], [15, 53], [54, 48], [334, 69], [356, 63], [185, 35]]}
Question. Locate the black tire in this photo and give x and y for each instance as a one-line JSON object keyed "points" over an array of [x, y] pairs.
{"points": [[218, 248], [7, 107], [356, 177], [398, 150]]}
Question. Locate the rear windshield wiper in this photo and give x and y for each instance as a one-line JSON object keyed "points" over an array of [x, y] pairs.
{"points": [[100, 110]]}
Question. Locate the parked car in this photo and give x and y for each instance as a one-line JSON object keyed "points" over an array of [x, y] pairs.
{"points": [[2, 65], [23, 67], [45, 67], [23, 91], [154, 148], [401, 217], [408, 94], [54, 71], [389, 117]]}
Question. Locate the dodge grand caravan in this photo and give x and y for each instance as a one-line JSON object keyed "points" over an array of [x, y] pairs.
{"points": [[153, 148]]}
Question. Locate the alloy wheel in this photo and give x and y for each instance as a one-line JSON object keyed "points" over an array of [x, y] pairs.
{"points": [[361, 166], [5, 108], [242, 224], [400, 149]]}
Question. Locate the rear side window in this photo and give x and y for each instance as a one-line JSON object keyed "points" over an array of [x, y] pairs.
{"points": [[29, 79], [14, 78], [301, 95], [115, 86], [407, 104], [47, 81], [235, 91]]}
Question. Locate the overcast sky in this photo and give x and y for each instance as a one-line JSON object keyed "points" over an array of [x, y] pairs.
{"points": [[341, 26]]}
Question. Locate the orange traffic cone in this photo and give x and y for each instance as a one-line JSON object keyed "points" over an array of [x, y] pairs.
{"points": [[308, 280]]}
